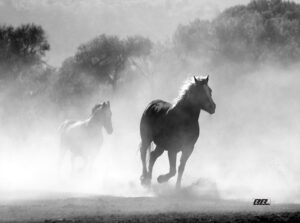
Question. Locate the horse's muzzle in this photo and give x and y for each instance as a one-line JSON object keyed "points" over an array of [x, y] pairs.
{"points": [[212, 109]]}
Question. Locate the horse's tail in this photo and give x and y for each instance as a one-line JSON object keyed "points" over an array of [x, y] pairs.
{"points": [[62, 131], [62, 144]]}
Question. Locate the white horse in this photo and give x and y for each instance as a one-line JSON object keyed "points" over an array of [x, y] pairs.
{"points": [[84, 138]]}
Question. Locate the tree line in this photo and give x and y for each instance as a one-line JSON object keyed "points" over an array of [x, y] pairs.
{"points": [[261, 31]]}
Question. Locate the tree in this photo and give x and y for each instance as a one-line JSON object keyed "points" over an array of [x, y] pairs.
{"points": [[263, 30], [105, 57], [20, 48], [194, 39], [104, 61]]}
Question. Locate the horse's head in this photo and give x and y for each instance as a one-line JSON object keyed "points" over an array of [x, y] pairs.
{"points": [[202, 94], [102, 113]]}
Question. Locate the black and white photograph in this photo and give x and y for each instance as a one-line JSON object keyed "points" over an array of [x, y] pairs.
{"points": [[149, 111]]}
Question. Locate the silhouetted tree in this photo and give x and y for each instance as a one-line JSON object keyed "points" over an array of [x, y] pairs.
{"points": [[102, 61], [105, 57], [194, 39], [21, 48], [261, 31]]}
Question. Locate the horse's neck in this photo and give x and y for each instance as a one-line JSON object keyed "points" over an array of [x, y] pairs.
{"points": [[93, 124], [186, 107]]}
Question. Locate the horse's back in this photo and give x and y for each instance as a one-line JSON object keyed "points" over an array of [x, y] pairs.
{"points": [[65, 125], [156, 108], [71, 132], [153, 117]]}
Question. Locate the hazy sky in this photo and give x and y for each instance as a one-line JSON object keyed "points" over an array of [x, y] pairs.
{"points": [[69, 23]]}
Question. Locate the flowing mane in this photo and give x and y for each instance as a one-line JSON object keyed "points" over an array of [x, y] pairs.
{"points": [[96, 107], [185, 89]]}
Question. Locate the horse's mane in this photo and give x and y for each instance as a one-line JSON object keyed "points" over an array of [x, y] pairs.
{"points": [[185, 89], [96, 107]]}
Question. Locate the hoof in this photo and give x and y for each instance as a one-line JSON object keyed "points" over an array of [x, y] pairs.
{"points": [[145, 181], [161, 179]]}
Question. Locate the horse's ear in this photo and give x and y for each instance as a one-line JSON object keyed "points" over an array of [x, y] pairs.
{"points": [[108, 103], [206, 79], [196, 80]]}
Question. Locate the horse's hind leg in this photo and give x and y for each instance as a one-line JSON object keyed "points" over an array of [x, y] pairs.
{"points": [[73, 163], [91, 163], [153, 156], [61, 156], [144, 146], [172, 161]]}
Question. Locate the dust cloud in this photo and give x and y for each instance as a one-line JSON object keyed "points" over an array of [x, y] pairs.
{"points": [[248, 149]]}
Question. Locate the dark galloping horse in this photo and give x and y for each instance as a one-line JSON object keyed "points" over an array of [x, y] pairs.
{"points": [[174, 127], [84, 138]]}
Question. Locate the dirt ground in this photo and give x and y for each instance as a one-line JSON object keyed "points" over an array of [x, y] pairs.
{"points": [[66, 208]]}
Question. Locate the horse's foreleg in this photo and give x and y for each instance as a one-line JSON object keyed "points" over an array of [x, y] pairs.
{"points": [[143, 149], [153, 156], [172, 161], [184, 157]]}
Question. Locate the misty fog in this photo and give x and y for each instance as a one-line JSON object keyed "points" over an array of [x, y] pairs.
{"points": [[247, 149]]}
